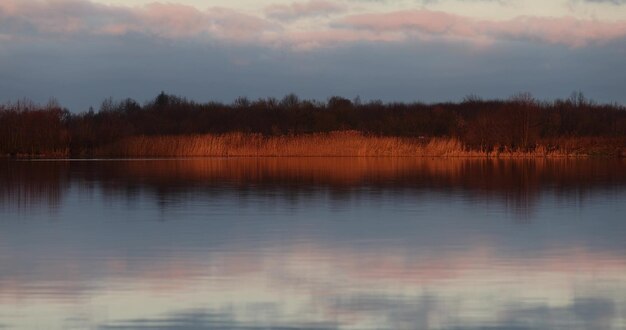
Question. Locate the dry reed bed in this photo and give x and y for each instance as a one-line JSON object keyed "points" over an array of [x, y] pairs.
{"points": [[238, 144], [331, 144]]}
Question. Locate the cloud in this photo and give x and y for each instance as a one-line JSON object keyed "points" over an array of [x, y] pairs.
{"points": [[307, 40], [586, 312], [303, 9], [553, 30], [167, 20], [196, 319], [566, 30], [69, 18], [614, 2]]}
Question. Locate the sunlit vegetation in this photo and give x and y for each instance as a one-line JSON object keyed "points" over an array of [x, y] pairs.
{"points": [[170, 126], [340, 143]]}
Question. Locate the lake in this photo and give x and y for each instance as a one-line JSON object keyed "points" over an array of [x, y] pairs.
{"points": [[313, 243]]}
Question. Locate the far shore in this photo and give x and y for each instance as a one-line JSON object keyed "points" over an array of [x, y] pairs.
{"points": [[333, 144], [171, 126]]}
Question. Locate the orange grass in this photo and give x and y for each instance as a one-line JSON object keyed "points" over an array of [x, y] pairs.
{"points": [[342, 143]]}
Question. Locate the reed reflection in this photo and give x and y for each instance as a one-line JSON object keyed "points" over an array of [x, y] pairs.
{"points": [[517, 184], [313, 243], [29, 185]]}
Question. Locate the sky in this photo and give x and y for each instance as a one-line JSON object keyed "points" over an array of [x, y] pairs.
{"points": [[81, 52]]}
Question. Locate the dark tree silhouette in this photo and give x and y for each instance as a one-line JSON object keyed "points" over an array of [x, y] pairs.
{"points": [[519, 123]]}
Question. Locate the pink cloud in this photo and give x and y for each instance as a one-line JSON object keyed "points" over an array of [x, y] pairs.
{"points": [[172, 20], [231, 24], [69, 17], [302, 9], [555, 30]]}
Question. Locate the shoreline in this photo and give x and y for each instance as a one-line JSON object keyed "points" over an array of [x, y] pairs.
{"points": [[332, 144], [171, 126]]}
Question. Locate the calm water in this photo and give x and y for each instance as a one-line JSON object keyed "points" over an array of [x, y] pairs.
{"points": [[313, 243]]}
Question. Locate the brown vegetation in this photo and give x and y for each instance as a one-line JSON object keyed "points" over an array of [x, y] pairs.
{"points": [[333, 144], [170, 126], [29, 129], [348, 143]]}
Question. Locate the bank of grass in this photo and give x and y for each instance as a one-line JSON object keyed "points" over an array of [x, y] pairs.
{"points": [[340, 144]]}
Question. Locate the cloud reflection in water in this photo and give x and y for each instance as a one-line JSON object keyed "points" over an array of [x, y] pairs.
{"points": [[313, 244]]}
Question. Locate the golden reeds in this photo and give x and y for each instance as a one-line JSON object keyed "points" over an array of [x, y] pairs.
{"points": [[333, 144]]}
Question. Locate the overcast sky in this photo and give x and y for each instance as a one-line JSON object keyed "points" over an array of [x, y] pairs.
{"points": [[82, 52]]}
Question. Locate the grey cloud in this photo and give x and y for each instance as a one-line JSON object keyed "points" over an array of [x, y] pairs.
{"points": [[72, 18], [417, 312], [588, 312], [205, 319], [84, 71], [399, 312], [424, 23], [37, 20]]}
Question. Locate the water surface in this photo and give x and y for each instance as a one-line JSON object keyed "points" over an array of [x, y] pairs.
{"points": [[313, 243]]}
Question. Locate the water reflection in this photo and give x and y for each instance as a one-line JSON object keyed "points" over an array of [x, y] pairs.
{"points": [[518, 184], [313, 243]]}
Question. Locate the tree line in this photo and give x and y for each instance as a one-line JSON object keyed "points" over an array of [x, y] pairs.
{"points": [[519, 123]]}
